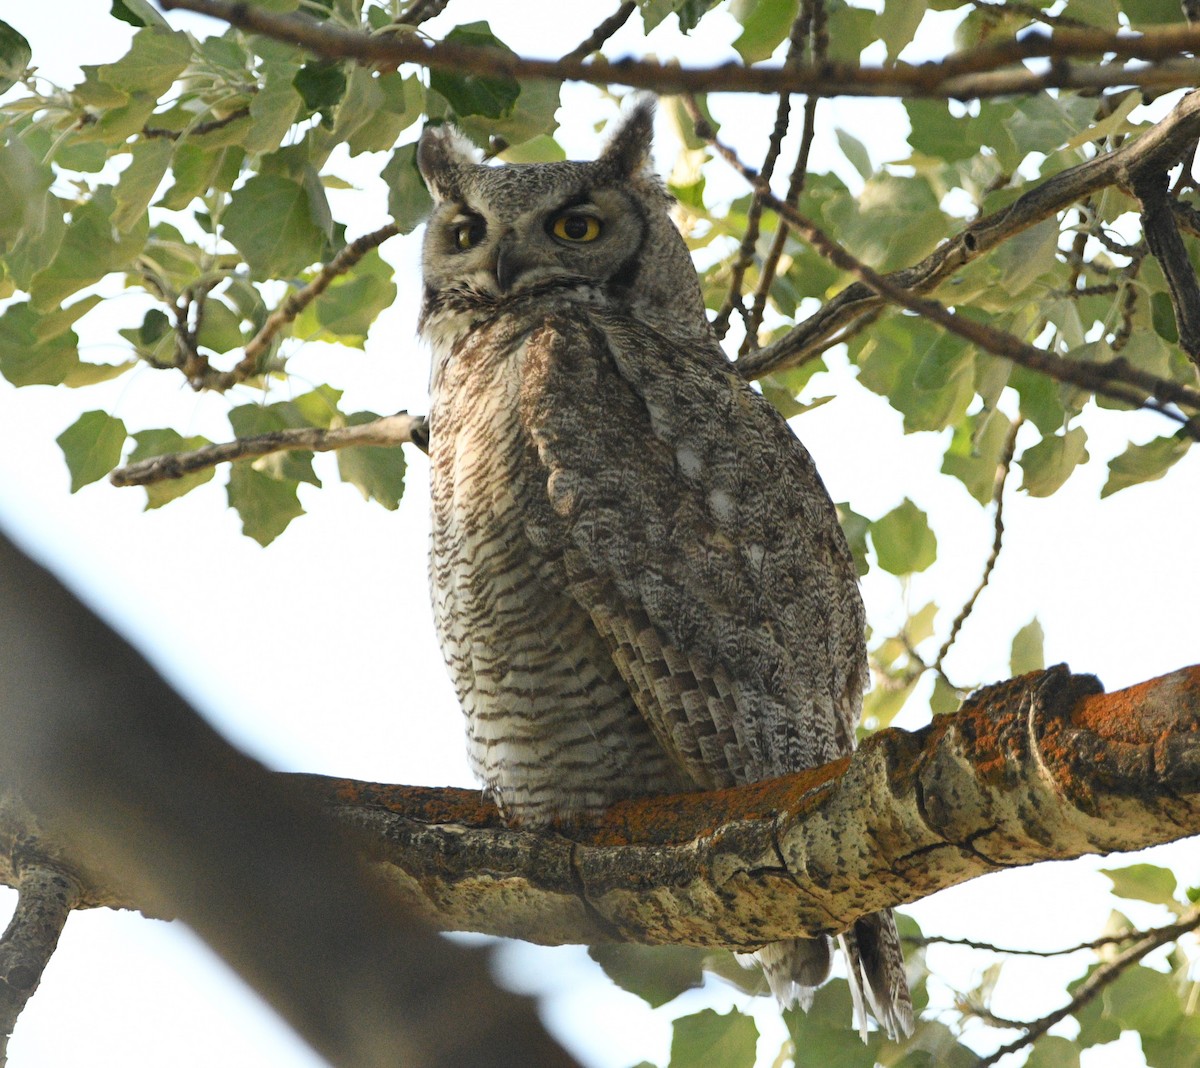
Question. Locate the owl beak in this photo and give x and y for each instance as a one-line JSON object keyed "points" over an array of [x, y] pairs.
{"points": [[510, 263]]}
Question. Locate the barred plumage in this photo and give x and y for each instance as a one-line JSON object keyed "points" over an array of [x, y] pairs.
{"points": [[639, 580]]}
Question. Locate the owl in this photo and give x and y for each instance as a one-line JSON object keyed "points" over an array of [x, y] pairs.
{"points": [[638, 578]]}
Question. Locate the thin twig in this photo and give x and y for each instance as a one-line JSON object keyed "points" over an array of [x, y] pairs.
{"points": [[988, 947], [976, 73], [391, 430], [1097, 981], [293, 305], [1003, 467], [595, 40], [797, 36]]}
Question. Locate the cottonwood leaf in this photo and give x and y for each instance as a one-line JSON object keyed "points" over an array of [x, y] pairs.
{"points": [[1144, 882], [1144, 463], [92, 447], [266, 505], [903, 541], [709, 1039], [269, 220], [377, 470], [15, 56], [656, 974], [1027, 649]]}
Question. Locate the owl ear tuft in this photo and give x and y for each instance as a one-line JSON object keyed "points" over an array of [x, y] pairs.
{"points": [[442, 152], [629, 149]]}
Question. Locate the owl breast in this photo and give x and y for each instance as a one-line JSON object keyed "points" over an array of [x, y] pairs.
{"points": [[552, 728]]}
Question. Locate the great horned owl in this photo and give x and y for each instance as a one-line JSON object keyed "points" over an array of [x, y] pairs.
{"points": [[639, 581]]}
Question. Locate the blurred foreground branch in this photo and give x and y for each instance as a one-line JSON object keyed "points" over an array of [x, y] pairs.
{"points": [[110, 778]]}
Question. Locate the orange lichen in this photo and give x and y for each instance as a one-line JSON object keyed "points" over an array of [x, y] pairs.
{"points": [[1144, 713]]}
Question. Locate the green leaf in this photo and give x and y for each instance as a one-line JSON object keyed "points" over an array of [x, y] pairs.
{"points": [[765, 25], [151, 443], [29, 360], [156, 57], [269, 220], [656, 974], [1049, 463], [945, 698], [1144, 882], [24, 182], [474, 94], [897, 24], [973, 454], [1052, 1051], [346, 310], [140, 180], [903, 541], [856, 152], [291, 465], [221, 327], [1144, 463], [92, 447], [321, 84], [409, 201], [266, 505], [378, 472], [90, 249], [273, 109], [883, 703], [1027, 649], [91, 374], [15, 55], [400, 105], [850, 29], [893, 352], [138, 13], [709, 1040]]}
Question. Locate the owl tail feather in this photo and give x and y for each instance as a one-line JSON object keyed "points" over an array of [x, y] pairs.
{"points": [[875, 962]]}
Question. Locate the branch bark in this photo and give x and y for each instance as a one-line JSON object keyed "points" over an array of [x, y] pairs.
{"points": [[1042, 767], [987, 71], [391, 430]]}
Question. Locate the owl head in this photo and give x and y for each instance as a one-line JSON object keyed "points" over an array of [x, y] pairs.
{"points": [[599, 231]]}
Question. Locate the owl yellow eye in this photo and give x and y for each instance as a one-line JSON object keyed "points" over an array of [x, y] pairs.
{"points": [[577, 228], [468, 234]]}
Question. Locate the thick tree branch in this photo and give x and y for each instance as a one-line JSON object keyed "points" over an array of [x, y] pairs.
{"points": [[109, 776], [391, 430], [1159, 147], [1041, 767], [977, 73], [1161, 227]]}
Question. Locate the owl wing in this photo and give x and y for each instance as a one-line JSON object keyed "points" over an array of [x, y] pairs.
{"points": [[695, 531]]}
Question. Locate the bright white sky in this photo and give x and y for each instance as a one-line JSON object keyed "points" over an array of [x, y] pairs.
{"points": [[317, 654]]}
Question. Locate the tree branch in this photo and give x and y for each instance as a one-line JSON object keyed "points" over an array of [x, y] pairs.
{"points": [[1041, 767], [976, 73], [202, 376], [391, 430], [1113, 378], [1159, 146], [108, 774], [45, 898]]}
